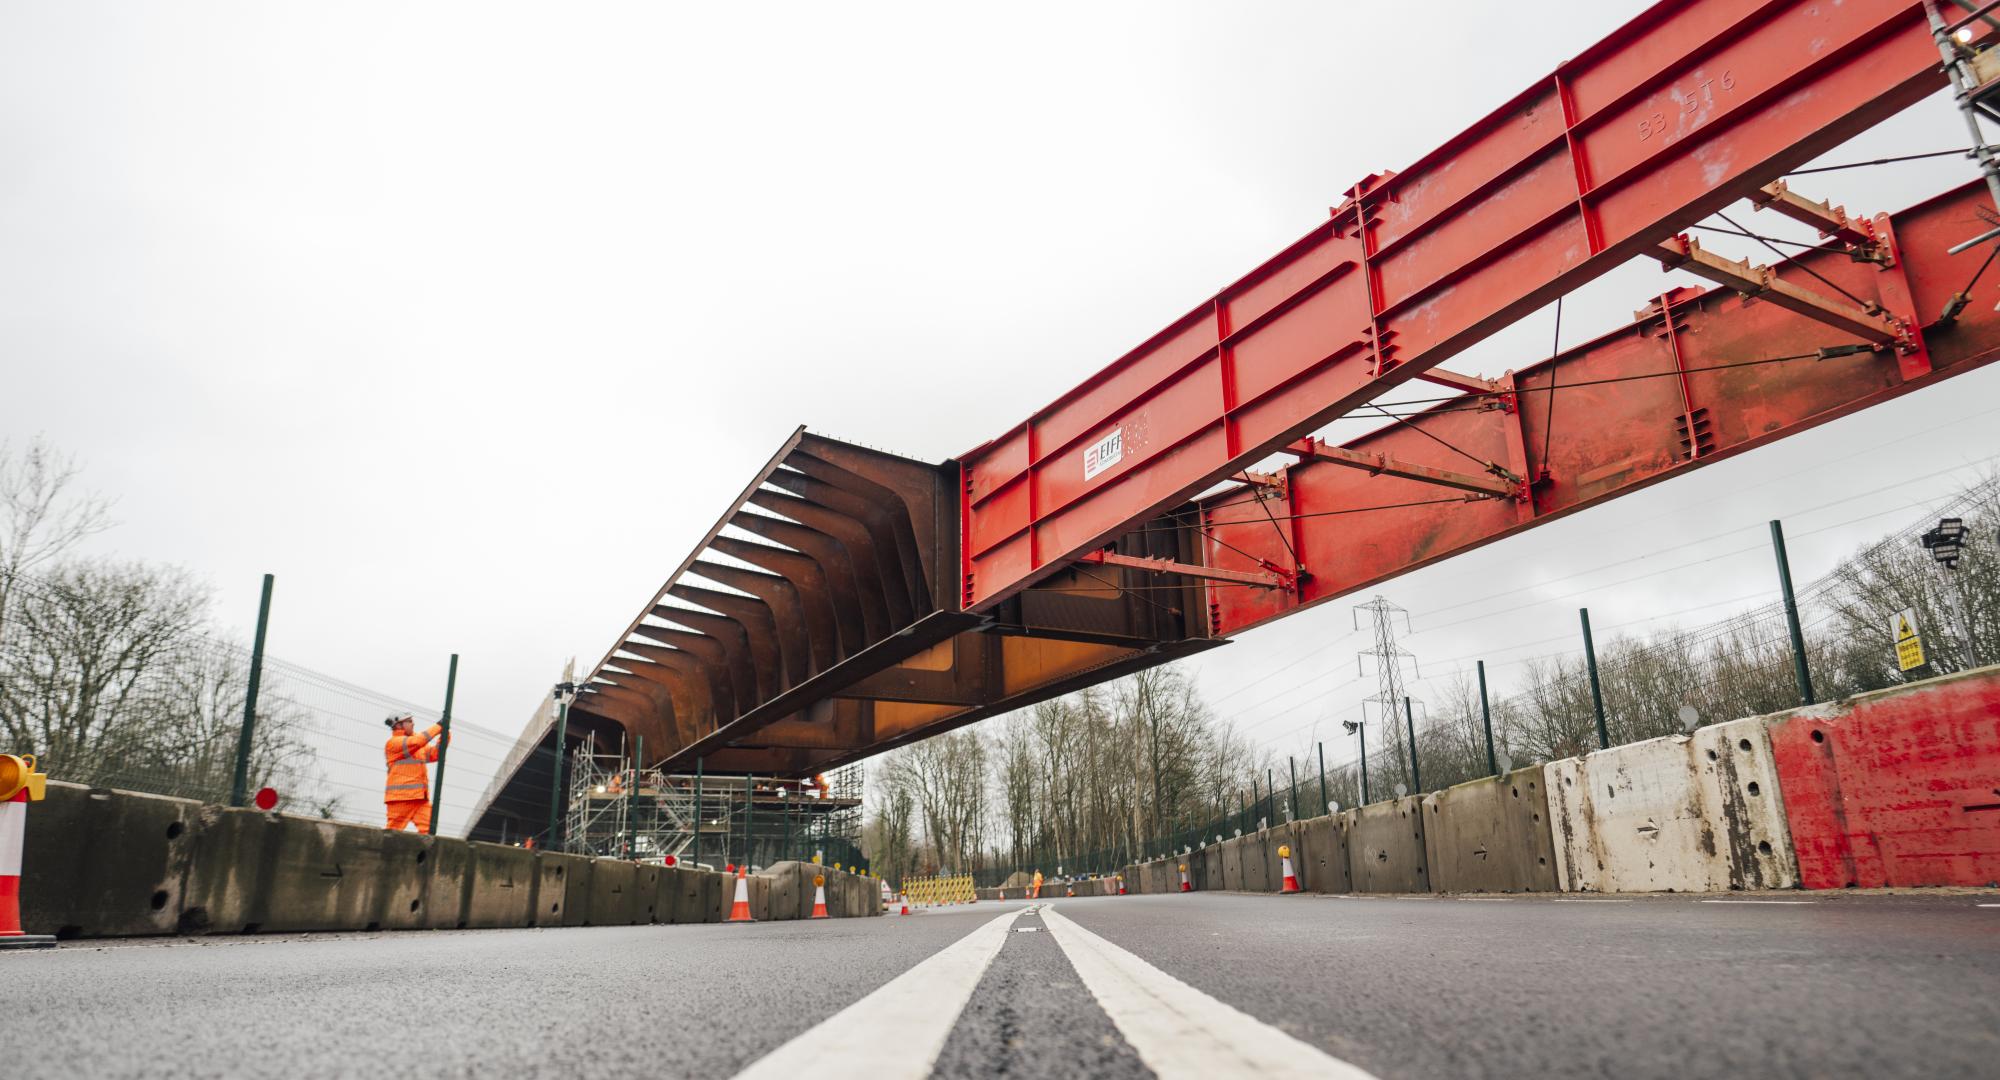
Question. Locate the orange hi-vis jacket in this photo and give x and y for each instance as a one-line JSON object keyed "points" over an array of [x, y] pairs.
{"points": [[406, 755]]}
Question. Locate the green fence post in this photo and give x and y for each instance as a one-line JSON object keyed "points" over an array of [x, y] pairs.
{"points": [[1416, 772], [1596, 690], [1322, 779], [556, 787], [1799, 670], [631, 792], [239, 785], [444, 744], [749, 820], [1361, 730], [697, 811], [1486, 718], [1293, 766]]}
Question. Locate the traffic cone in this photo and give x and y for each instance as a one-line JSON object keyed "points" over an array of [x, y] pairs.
{"points": [[740, 910], [905, 902], [1121, 884], [19, 782], [819, 896], [1185, 886], [1291, 879]]}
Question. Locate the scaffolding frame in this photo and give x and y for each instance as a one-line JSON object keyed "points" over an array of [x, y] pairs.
{"points": [[615, 810]]}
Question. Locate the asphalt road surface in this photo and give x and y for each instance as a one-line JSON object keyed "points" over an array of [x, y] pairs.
{"points": [[1207, 985]]}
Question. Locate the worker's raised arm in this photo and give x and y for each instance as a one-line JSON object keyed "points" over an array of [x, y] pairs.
{"points": [[431, 743], [424, 747]]}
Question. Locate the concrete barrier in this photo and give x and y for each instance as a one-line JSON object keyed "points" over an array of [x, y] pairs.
{"points": [[448, 892], [790, 889], [1197, 862], [274, 873], [759, 889], [614, 896], [402, 869], [860, 896], [1491, 835], [104, 863], [1698, 813], [1226, 866], [1386, 848], [1319, 854], [689, 896], [1897, 787], [1211, 867], [227, 877], [1254, 853], [555, 887], [500, 887]]}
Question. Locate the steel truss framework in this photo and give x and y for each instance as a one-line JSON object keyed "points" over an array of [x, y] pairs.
{"points": [[852, 600], [615, 809]]}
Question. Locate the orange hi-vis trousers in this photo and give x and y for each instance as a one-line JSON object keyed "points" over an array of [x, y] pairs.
{"points": [[409, 812]]}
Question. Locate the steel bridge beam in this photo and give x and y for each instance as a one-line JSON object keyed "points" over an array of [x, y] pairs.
{"points": [[1689, 107]]}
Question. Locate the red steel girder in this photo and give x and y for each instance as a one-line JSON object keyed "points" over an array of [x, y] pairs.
{"points": [[1689, 107], [1699, 377]]}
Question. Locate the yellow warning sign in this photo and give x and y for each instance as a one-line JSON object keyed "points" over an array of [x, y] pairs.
{"points": [[1909, 645]]}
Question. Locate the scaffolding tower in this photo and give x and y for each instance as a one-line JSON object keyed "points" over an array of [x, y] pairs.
{"points": [[619, 811]]}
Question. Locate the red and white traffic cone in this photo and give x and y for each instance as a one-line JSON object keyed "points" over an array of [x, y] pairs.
{"points": [[740, 910], [819, 896], [1291, 880], [905, 901], [19, 782], [1121, 884], [1185, 886]]}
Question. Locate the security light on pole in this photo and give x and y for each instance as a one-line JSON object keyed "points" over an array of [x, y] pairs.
{"points": [[1946, 542]]}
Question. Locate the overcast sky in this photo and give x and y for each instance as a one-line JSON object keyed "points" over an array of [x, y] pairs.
{"points": [[467, 319]]}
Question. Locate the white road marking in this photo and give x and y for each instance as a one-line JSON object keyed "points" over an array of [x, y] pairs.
{"points": [[913, 1012], [1582, 900], [1989, 905], [1180, 1032], [1759, 901]]}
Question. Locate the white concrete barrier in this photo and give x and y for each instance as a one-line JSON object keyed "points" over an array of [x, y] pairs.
{"points": [[1698, 813]]}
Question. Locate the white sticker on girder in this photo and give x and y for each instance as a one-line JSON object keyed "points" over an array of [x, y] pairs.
{"points": [[1108, 451]]}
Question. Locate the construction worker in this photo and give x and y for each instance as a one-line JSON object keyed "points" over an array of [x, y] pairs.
{"points": [[1035, 893], [406, 794]]}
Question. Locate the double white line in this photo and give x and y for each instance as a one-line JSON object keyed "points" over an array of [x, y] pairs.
{"points": [[1178, 1031]]}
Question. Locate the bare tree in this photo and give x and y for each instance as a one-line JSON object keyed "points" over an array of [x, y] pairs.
{"points": [[109, 670], [42, 516]]}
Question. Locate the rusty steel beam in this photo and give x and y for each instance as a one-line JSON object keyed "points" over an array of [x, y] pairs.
{"points": [[1268, 579], [1685, 253], [1497, 482], [1831, 221]]}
